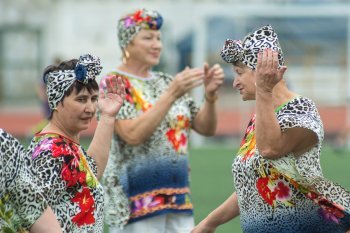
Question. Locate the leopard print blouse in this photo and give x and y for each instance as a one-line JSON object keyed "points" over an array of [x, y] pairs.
{"points": [[289, 194], [151, 178]]}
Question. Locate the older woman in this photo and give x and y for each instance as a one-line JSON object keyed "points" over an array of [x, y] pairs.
{"points": [[68, 174], [277, 172], [147, 176], [22, 204]]}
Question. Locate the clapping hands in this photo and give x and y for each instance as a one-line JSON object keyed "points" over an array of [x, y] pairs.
{"points": [[189, 78], [213, 79]]}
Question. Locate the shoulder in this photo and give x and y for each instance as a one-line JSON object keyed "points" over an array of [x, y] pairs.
{"points": [[167, 77], [300, 105], [53, 145]]}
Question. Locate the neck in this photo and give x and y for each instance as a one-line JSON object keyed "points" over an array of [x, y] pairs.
{"points": [[55, 126], [281, 94], [137, 69]]}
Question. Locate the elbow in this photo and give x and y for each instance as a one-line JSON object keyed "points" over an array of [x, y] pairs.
{"points": [[133, 141], [269, 153], [206, 133], [209, 133], [130, 136]]}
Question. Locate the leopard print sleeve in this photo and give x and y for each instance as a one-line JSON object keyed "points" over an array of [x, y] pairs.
{"points": [[193, 106], [127, 111], [301, 112], [22, 202]]}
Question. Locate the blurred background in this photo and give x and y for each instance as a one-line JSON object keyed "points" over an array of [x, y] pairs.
{"points": [[314, 35]]}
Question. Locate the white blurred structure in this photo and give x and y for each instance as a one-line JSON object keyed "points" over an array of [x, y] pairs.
{"points": [[315, 36]]}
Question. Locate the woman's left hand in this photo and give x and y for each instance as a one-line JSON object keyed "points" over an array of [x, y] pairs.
{"points": [[267, 73], [213, 79], [110, 102]]}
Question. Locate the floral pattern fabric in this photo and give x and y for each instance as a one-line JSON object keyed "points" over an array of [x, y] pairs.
{"points": [[152, 178], [21, 201], [289, 194], [68, 176]]}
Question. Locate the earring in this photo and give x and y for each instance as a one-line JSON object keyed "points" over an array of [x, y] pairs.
{"points": [[126, 56]]}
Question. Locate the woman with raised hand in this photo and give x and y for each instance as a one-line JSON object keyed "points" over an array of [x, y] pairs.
{"points": [[147, 178], [67, 173], [277, 172]]}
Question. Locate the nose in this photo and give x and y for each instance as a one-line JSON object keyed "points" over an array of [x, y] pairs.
{"points": [[90, 107], [157, 44], [235, 82]]}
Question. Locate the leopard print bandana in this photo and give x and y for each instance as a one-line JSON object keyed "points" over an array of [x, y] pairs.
{"points": [[131, 24], [247, 52], [58, 82]]}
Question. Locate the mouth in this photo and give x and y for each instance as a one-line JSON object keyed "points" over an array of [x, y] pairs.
{"points": [[155, 55], [86, 118]]}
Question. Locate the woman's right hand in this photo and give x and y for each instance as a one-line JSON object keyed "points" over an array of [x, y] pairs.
{"points": [[185, 81]]}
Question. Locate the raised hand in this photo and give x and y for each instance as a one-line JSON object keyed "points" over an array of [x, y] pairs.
{"points": [[186, 81], [110, 102], [213, 79], [267, 73]]}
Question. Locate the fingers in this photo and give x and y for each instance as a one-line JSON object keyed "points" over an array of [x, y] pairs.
{"points": [[101, 93], [281, 71], [267, 59], [259, 62], [114, 87], [275, 60], [206, 69], [108, 85], [121, 87]]}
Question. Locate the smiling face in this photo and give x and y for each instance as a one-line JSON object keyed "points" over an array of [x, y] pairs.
{"points": [[146, 47], [77, 110], [244, 81]]}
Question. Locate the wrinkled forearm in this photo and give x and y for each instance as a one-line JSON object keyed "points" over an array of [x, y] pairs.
{"points": [[205, 121], [101, 142], [267, 128], [224, 213], [138, 130]]}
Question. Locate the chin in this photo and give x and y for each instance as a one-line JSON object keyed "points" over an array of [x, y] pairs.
{"points": [[154, 62]]}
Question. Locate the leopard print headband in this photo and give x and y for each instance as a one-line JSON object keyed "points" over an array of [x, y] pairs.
{"points": [[247, 52], [131, 24], [58, 82]]}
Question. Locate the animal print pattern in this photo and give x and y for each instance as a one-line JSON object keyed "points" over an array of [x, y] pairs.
{"points": [[67, 174], [21, 201], [58, 82], [289, 194], [247, 51], [152, 175]]}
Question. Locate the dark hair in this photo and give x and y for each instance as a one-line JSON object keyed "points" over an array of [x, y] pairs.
{"points": [[77, 86]]}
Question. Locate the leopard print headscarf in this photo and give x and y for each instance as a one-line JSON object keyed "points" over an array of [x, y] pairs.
{"points": [[131, 24], [58, 82], [247, 51]]}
